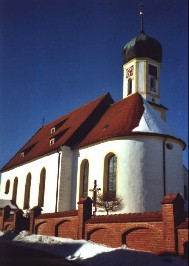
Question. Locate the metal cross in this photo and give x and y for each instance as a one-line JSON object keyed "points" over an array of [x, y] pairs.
{"points": [[142, 17], [95, 190]]}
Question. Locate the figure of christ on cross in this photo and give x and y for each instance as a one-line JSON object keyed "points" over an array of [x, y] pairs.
{"points": [[94, 190]]}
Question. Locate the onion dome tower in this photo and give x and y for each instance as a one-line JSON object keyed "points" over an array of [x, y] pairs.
{"points": [[142, 57]]}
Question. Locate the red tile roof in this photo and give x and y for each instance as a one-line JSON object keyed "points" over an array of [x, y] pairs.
{"points": [[96, 121], [119, 120], [70, 130]]}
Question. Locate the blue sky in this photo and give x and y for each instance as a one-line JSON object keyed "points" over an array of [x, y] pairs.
{"points": [[56, 55]]}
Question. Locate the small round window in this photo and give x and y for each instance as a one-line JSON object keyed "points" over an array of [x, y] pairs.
{"points": [[169, 146], [7, 187]]}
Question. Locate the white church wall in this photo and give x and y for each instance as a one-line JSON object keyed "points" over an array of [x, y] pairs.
{"points": [[174, 169], [49, 162], [139, 171]]}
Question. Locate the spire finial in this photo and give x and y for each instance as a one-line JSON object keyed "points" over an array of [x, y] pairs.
{"points": [[142, 18]]}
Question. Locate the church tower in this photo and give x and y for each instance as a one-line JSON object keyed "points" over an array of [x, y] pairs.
{"points": [[142, 58]]}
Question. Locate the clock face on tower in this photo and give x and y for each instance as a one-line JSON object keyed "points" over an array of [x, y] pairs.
{"points": [[129, 72]]}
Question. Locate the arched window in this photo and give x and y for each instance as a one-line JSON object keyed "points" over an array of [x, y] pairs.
{"points": [[110, 174], [84, 176], [129, 86], [42, 188], [27, 192], [7, 186], [14, 192]]}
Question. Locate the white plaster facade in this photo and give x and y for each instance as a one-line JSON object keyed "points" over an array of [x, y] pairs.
{"points": [[50, 163], [139, 174], [139, 170]]}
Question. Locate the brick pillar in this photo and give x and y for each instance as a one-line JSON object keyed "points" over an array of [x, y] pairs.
{"points": [[84, 213], [5, 214], [35, 211], [173, 213], [18, 223]]}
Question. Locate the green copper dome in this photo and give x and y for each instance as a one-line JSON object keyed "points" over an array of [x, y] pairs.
{"points": [[142, 46]]}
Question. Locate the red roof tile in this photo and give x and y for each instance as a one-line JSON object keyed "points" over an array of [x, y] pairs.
{"points": [[69, 130], [96, 121], [119, 120]]}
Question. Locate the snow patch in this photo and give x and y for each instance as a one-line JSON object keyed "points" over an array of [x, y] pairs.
{"points": [[151, 122]]}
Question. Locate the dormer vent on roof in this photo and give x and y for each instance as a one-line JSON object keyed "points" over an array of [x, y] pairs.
{"points": [[25, 151], [52, 141], [53, 129], [58, 125], [58, 136]]}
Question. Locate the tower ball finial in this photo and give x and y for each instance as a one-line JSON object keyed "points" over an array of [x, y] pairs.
{"points": [[142, 18]]}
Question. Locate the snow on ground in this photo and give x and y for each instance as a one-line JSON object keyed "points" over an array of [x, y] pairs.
{"points": [[89, 253], [152, 122]]}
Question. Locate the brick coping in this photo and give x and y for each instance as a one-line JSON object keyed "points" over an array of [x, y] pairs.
{"points": [[129, 217], [58, 214]]}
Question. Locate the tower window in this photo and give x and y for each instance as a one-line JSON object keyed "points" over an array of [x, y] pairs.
{"points": [[153, 71], [129, 86], [152, 84]]}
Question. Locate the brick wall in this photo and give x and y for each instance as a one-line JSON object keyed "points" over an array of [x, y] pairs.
{"points": [[13, 220], [67, 224], [57, 224], [183, 238], [139, 231], [159, 232]]}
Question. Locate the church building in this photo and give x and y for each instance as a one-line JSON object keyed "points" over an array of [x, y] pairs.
{"points": [[126, 146]]}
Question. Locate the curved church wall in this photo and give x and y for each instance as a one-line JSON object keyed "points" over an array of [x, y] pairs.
{"points": [[139, 170]]}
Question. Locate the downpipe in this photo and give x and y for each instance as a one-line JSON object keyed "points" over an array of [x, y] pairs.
{"points": [[164, 168], [58, 177]]}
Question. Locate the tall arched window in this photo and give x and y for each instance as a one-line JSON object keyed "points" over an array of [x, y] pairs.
{"points": [[14, 192], [110, 176], [42, 188], [129, 86], [84, 176], [7, 186], [27, 192]]}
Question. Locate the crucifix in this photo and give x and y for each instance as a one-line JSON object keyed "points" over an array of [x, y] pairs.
{"points": [[94, 190]]}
